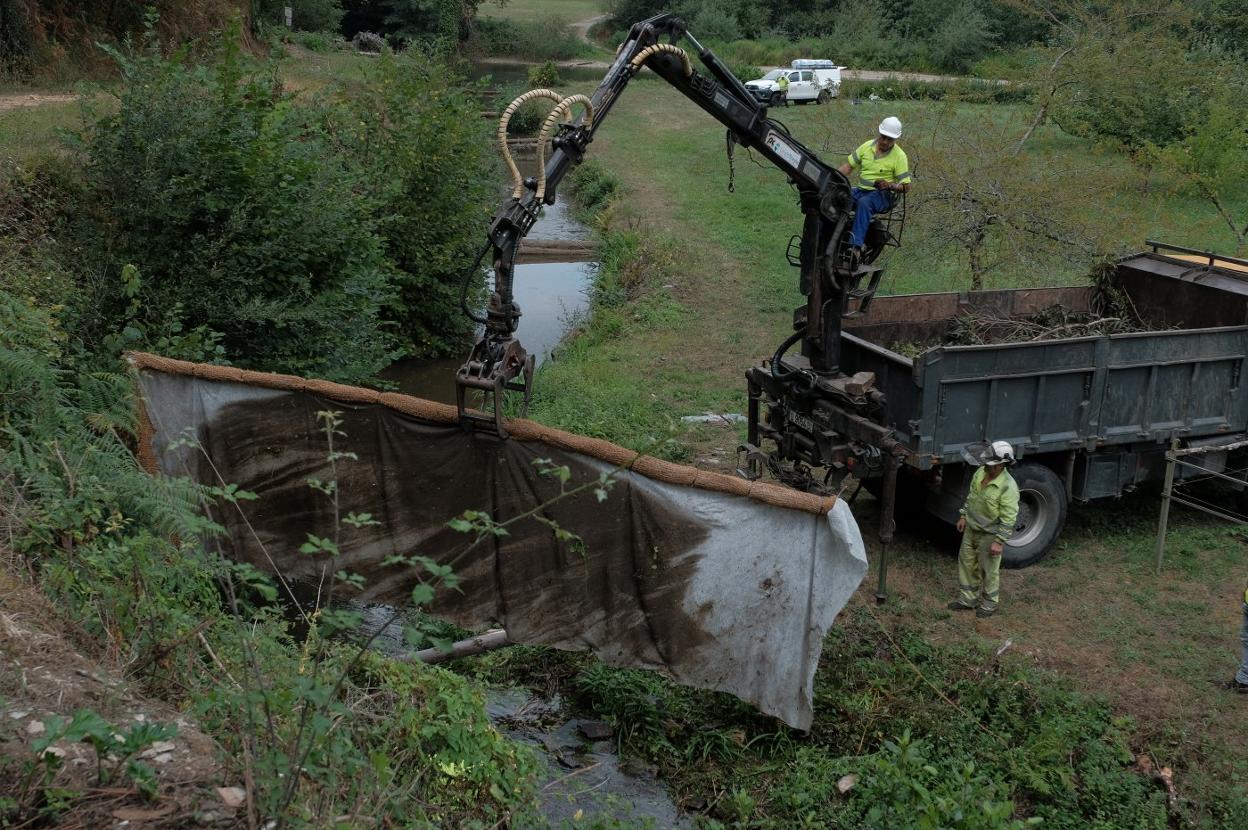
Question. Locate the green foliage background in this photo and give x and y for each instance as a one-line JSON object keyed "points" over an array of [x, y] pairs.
{"points": [[323, 236]]}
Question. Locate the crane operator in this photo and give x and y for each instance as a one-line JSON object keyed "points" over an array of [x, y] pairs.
{"points": [[883, 171]]}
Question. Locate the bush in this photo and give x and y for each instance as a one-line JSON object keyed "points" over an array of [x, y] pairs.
{"points": [[592, 186], [411, 742], [548, 38], [212, 218], [967, 91], [528, 119], [544, 75], [745, 71], [903, 788], [240, 220], [369, 42], [415, 140], [715, 22]]}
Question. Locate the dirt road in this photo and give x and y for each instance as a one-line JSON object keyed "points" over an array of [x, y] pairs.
{"points": [[13, 102]]}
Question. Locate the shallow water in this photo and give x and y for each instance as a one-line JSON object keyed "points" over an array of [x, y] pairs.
{"points": [[552, 295], [582, 771]]}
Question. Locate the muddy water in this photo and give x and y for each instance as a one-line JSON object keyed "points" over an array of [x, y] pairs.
{"points": [[582, 776], [551, 296], [580, 767]]}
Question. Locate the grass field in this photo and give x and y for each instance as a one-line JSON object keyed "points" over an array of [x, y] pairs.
{"points": [[573, 11]]}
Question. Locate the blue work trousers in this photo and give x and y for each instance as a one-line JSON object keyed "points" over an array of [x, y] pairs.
{"points": [[1242, 674], [867, 203]]}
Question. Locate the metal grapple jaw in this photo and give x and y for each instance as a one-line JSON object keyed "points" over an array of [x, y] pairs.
{"points": [[498, 364]]}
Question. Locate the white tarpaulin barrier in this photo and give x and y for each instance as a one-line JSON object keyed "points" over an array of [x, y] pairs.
{"points": [[717, 582]]}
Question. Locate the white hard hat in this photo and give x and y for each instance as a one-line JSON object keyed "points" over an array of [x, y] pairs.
{"points": [[891, 127], [1000, 452], [989, 454]]}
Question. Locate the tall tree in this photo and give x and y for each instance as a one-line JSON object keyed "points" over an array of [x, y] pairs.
{"points": [[1004, 213], [1116, 70]]}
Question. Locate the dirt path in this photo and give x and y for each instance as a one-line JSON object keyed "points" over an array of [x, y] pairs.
{"points": [[582, 28], [34, 99]]}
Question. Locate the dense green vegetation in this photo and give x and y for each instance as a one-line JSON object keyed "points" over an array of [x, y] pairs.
{"points": [[213, 216], [935, 35], [206, 211], [321, 728]]}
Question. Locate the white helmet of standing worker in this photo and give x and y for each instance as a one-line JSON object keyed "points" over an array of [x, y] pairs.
{"points": [[891, 127], [999, 452], [989, 454]]}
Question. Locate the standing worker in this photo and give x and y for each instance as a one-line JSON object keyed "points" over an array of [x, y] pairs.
{"points": [[783, 85], [986, 523], [883, 172], [1239, 683]]}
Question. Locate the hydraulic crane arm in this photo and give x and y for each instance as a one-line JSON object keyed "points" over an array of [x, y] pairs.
{"points": [[827, 279]]}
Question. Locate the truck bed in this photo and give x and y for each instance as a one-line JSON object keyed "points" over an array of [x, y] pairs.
{"points": [[1181, 378]]}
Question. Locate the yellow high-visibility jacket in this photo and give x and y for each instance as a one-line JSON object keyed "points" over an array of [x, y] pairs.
{"points": [[992, 507]]}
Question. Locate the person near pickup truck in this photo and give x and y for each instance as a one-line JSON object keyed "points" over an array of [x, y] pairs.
{"points": [[883, 171], [782, 84], [986, 523]]}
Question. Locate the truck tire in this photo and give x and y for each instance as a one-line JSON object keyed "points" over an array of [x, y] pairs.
{"points": [[824, 97], [1041, 515], [776, 100]]}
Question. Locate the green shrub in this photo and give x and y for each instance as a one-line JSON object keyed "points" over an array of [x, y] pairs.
{"points": [[528, 119], [321, 237], [903, 787], [420, 150], [970, 91], [232, 205], [592, 186], [745, 71], [547, 38], [544, 75], [318, 729]]}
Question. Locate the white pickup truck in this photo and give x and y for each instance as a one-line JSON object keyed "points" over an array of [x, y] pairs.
{"points": [[809, 80]]}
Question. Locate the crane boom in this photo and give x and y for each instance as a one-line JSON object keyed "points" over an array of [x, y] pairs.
{"points": [[828, 280]]}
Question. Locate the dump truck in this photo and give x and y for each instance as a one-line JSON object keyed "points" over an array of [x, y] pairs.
{"points": [[1090, 417]]}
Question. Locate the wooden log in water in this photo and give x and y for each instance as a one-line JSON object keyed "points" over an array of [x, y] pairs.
{"points": [[556, 250], [490, 640]]}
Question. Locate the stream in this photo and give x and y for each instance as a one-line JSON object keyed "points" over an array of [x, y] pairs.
{"points": [[580, 769], [582, 775], [551, 295]]}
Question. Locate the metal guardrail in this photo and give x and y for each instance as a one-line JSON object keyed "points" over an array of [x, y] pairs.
{"points": [[1174, 457], [1214, 259]]}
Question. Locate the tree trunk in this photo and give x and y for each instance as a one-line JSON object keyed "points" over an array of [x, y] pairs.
{"points": [[1041, 114], [976, 249], [1240, 235]]}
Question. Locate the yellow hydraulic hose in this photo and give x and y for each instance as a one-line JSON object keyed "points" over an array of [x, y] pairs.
{"points": [[636, 63], [502, 132], [563, 109]]}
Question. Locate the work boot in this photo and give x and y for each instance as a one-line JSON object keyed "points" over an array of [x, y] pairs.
{"points": [[959, 605], [855, 258], [1234, 685], [985, 612]]}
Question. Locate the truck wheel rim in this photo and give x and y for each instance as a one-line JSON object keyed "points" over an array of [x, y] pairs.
{"points": [[1035, 513]]}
